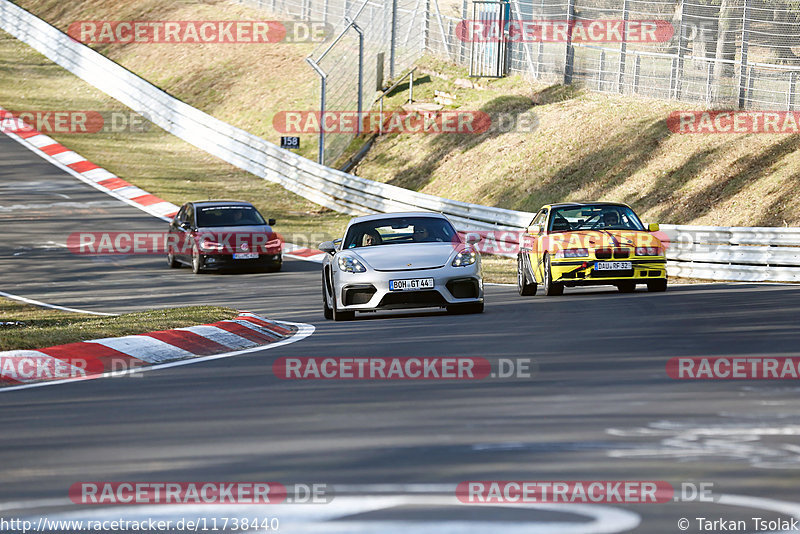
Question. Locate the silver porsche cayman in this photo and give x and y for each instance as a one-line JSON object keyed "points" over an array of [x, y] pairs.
{"points": [[400, 260]]}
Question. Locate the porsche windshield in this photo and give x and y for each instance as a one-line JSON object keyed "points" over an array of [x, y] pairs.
{"points": [[594, 217], [391, 231]]}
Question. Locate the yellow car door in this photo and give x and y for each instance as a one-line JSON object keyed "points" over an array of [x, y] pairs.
{"points": [[536, 236]]}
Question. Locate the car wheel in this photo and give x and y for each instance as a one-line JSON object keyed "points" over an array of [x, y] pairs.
{"points": [[626, 287], [657, 286], [472, 307], [197, 260], [172, 262], [326, 310], [551, 289], [524, 287]]}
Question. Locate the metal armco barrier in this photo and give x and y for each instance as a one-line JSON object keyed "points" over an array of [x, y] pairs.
{"points": [[747, 254], [735, 253]]}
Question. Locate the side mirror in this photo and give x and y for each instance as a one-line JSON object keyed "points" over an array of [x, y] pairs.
{"points": [[271, 222], [473, 239], [653, 227], [327, 246], [535, 229]]}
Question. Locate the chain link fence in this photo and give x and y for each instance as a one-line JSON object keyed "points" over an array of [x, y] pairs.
{"points": [[391, 42], [724, 54]]}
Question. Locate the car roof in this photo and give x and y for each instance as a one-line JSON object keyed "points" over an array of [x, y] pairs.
{"points": [[399, 215], [579, 204], [214, 203]]}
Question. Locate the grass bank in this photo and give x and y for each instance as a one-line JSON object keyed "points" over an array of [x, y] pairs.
{"points": [[24, 326]]}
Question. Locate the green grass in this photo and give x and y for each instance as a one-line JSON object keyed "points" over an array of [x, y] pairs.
{"points": [[499, 269], [44, 327]]}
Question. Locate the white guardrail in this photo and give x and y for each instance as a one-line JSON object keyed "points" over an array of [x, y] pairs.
{"points": [[747, 254], [738, 253]]}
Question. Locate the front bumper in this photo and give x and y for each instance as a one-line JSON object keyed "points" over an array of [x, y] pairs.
{"points": [[583, 272], [226, 261], [370, 290]]}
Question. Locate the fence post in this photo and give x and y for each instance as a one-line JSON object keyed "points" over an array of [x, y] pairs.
{"points": [[623, 49], [540, 52], [532, 70], [743, 70], [792, 89], [360, 74], [673, 74], [392, 53], [636, 73], [677, 89], [708, 82], [569, 55], [601, 69], [383, 10], [325, 11], [444, 33], [462, 55], [539, 60], [322, 77], [426, 28]]}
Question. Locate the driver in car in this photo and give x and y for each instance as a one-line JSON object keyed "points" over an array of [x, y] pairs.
{"points": [[610, 218], [421, 234], [370, 238]]}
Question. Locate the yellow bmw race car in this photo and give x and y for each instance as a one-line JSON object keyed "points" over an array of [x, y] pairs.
{"points": [[582, 244]]}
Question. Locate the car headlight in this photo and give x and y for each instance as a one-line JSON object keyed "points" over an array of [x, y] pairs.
{"points": [[572, 253], [464, 258], [648, 251], [350, 264], [209, 246]]}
